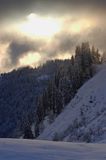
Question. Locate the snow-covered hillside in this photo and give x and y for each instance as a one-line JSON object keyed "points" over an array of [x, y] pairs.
{"points": [[84, 119], [44, 150]]}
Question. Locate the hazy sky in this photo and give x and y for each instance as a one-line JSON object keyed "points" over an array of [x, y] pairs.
{"points": [[33, 31]]}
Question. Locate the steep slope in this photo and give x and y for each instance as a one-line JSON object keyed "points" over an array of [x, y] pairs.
{"points": [[44, 150], [84, 119]]}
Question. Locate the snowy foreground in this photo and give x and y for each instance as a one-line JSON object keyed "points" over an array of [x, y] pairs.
{"points": [[45, 150]]}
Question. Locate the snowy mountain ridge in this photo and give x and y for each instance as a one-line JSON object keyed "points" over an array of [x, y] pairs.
{"points": [[84, 119]]}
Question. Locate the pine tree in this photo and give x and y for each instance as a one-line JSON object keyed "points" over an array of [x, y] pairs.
{"points": [[95, 55], [72, 60], [28, 133], [65, 88]]}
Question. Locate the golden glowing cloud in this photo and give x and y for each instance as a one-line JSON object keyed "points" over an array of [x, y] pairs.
{"points": [[81, 25], [30, 59], [76, 26], [36, 26], [64, 56], [3, 53], [54, 36], [40, 26]]}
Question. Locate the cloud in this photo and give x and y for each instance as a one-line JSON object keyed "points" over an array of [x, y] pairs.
{"points": [[66, 41], [14, 47], [17, 49], [97, 37], [23, 7], [60, 45], [18, 46]]}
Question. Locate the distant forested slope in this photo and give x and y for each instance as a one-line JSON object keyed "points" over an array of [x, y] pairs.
{"points": [[28, 96]]}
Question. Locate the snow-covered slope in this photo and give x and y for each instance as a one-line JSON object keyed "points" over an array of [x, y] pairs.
{"points": [[44, 150], [84, 119]]}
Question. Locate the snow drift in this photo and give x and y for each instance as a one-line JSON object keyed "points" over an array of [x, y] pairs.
{"points": [[44, 150]]}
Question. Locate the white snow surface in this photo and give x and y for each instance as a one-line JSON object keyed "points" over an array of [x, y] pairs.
{"points": [[91, 101], [13, 149]]}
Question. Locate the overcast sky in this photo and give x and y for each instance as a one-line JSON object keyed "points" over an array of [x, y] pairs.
{"points": [[74, 21]]}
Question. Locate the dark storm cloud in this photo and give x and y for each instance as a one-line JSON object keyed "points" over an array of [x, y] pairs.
{"points": [[18, 47], [11, 8]]}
